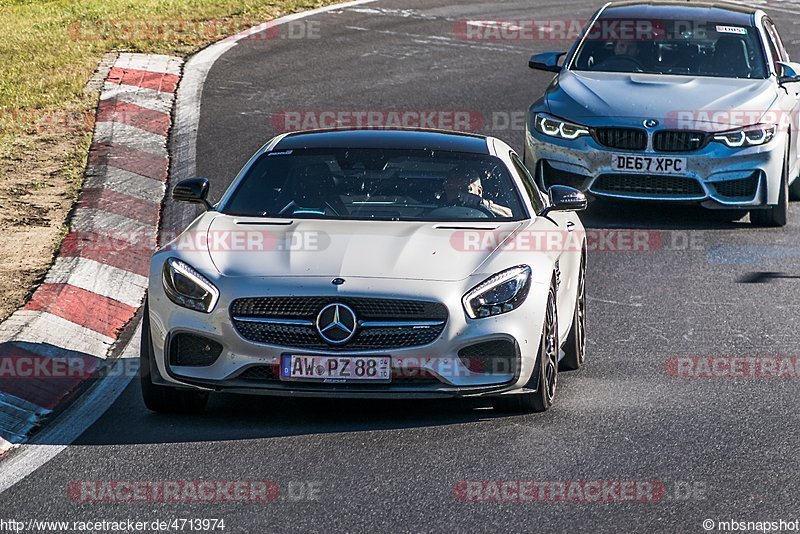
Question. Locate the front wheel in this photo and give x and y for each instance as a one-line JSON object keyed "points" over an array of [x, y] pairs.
{"points": [[575, 346], [546, 369], [774, 216], [160, 398]]}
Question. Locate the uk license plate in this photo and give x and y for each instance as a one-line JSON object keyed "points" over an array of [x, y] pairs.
{"points": [[648, 164], [336, 369]]}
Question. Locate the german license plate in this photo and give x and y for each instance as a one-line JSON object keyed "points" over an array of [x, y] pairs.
{"points": [[648, 164], [336, 369]]}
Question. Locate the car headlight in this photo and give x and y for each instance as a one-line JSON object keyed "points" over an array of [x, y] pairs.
{"points": [[759, 134], [500, 293], [555, 127], [188, 288]]}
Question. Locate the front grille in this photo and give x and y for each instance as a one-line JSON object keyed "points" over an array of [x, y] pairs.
{"points": [[192, 350], [366, 308], [648, 185], [367, 311], [621, 138], [744, 188], [552, 176], [679, 141]]}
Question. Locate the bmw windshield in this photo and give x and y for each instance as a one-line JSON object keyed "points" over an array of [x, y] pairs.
{"points": [[679, 47], [376, 184]]}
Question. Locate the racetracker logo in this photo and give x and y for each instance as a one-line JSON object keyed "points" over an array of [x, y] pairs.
{"points": [[558, 240], [568, 491], [440, 119], [740, 367], [166, 491], [181, 29], [724, 120], [558, 30], [44, 121]]}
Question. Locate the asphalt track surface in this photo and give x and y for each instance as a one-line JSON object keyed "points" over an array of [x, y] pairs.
{"points": [[393, 466]]}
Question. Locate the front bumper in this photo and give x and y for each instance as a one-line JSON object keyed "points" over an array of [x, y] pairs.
{"points": [[716, 176], [433, 370]]}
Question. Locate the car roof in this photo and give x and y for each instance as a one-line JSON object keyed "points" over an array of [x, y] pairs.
{"points": [[385, 138], [709, 11]]}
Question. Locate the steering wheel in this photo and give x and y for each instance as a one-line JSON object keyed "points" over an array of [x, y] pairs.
{"points": [[620, 61]]}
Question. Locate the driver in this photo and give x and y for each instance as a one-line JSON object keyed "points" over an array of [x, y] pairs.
{"points": [[626, 48], [463, 187]]}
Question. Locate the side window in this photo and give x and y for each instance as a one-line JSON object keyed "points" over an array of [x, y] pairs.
{"points": [[773, 49], [776, 37], [537, 199]]}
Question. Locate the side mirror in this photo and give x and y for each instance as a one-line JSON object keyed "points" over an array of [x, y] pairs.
{"points": [[790, 72], [193, 190], [563, 198], [546, 61]]}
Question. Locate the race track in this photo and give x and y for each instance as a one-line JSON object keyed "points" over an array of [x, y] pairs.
{"points": [[722, 448]]}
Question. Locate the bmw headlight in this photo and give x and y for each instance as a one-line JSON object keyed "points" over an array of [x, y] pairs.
{"points": [[188, 288], [555, 127], [501, 293], [759, 134]]}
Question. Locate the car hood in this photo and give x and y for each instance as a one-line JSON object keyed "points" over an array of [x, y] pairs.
{"points": [[597, 98], [246, 247]]}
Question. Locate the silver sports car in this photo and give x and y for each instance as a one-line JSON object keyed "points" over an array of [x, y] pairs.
{"points": [[672, 102], [371, 263]]}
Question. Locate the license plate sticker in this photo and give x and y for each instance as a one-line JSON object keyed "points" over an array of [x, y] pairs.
{"points": [[648, 164], [336, 369]]}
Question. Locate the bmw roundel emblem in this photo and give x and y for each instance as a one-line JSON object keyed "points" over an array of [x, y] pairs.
{"points": [[336, 323], [650, 123]]}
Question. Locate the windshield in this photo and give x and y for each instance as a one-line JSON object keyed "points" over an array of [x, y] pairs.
{"points": [[376, 184], [689, 48]]}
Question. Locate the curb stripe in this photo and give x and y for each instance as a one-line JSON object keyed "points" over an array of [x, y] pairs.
{"points": [[130, 159], [125, 182], [131, 259], [110, 224], [105, 280], [50, 330], [95, 312], [107, 133], [143, 211], [43, 379], [113, 110], [165, 83], [141, 96], [158, 63]]}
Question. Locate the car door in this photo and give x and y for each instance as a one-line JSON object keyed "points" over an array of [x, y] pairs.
{"points": [[788, 104]]}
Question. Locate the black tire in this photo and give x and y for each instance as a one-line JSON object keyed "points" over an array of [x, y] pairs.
{"points": [[164, 399], [575, 345], [546, 370], [794, 190], [775, 216]]}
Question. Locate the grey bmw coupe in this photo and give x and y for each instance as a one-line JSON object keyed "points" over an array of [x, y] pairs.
{"points": [[672, 102]]}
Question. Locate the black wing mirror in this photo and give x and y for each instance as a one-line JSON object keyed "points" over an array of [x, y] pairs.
{"points": [[563, 198], [546, 61], [790, 72], [193, 190]]}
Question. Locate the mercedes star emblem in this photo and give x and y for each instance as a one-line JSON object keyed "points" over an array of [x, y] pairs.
{"points": [[336, 323]]}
